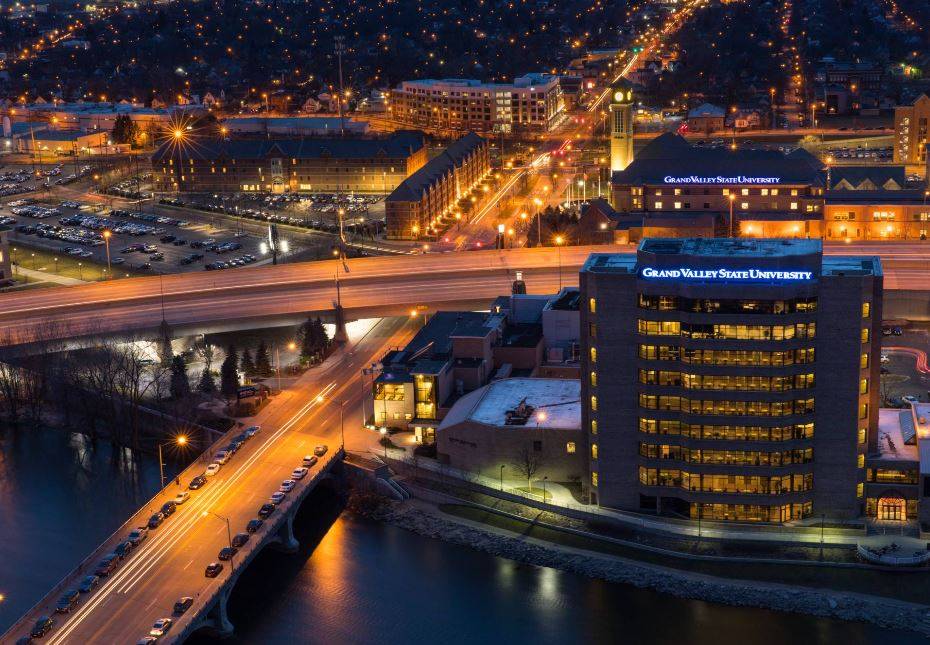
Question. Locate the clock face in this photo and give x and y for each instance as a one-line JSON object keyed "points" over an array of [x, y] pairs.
{"points": [[618, 97]]}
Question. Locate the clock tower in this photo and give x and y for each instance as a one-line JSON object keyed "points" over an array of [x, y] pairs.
{"points": [[621, 125]]}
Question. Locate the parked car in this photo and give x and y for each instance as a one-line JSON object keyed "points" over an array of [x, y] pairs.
{"points": [[254, 525], [147, 640], [181, 497], [168, 508], [67, 601], [266, 510], [320, 450], [161, 627], [251, 431], [287, 486], [156, 520], [138, 534], [123, 549], [239, 539], [212, 469], [227, 552], [299, 473], [310, 460], [182, 605], [221, 457], [88, 584], [213, 569], [197, 482], [42, 627], [107, 565], [277, 497]]}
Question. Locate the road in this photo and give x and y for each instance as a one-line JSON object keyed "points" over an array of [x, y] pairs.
{"points": [[170, 563], [374, 286]]}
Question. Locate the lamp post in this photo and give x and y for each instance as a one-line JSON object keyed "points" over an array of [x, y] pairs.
{"points": [[558, 245], [80, 270], [180, 440], [106, 239], [228, 533], [502, 477], [732, 199]]}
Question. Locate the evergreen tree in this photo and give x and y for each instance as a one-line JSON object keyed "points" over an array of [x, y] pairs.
{"points": [[229, 375], [246, 364], [262, 360], [124, 130], [180, 385], [165, 353], [207, 384]]}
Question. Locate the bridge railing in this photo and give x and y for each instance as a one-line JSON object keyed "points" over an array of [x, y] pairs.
{"points": [[72, 578]]}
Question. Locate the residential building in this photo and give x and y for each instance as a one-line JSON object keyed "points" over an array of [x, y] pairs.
{"points": [[531, 103], [731, 379], [62, 142], [422, 204], [910, 132], [311, 164]]}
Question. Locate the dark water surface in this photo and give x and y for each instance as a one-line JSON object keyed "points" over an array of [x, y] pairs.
{"points": [[357, 581]]}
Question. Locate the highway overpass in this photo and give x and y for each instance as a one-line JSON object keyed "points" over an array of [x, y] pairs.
{"points": [[217, 300]]}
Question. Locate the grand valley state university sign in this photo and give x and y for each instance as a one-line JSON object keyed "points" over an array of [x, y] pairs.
{"points": [[739, 179], [728, 275]]}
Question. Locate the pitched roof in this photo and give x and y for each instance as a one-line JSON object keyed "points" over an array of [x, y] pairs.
{"points": [[414, 186], [399, 144]]}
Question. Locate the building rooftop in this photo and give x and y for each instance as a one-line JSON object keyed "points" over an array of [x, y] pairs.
{"points": [[414, 186], [556, 403], [527, 80], [729, 247], [892, 442]]}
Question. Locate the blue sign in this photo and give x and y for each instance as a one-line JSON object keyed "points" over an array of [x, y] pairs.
{"points": [[727, 275]]}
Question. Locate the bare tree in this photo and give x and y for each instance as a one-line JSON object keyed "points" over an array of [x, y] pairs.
{"points": [[204, 351], [528, 462]]}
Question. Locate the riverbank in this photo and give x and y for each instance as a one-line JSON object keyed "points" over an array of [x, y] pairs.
{"points": [[426, 519]]}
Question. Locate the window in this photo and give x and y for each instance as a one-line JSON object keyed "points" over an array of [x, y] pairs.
{"points": [[862, 434], [593, 451], [594, 404], [863, 361], [865, 334], [594, 478], [592, 331], [744, 191], [658, 205], [860, 487], [593, 379], [592, 305], [864, 386], [866, 309], [744, 205], [793, 206], [863, 410], [593, 354], [593, 426], [677, 205], [570, 447], [860, 461]]}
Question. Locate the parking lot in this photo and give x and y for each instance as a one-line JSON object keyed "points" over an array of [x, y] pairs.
{"points": [[138, 241]]}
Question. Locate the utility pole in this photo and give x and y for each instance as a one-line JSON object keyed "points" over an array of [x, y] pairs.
{"points": [[340, 50]]}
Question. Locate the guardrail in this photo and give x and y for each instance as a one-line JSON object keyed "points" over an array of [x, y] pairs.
{"points": [[892, 559]]}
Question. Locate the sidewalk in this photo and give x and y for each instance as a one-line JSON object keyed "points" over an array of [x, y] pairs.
{"points": [[45, 276]]}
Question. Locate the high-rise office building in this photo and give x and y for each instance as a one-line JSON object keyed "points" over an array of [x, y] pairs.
{"points": [[731, 379]]}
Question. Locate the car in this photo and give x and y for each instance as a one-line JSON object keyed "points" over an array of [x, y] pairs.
{"points": [[167, 238], [287, 486], [221, 457], [320, 450], [266, 510], [88, 584], [213, 569], [277, 497], [227, 552], [123, 549], [299, 473], [157, 256], [179, 242], [251, 431], [107, 565], [138, 534], [118, 261], [242, 438], [910, 398], [156, 520], [212, 469], [149, 248], [197, 482], [310, 460], [67, 601], [42, 627], [161, 627], [254, 525], [234, 446], [181, 497], [239, 539], [182, 605], [168, 508]]}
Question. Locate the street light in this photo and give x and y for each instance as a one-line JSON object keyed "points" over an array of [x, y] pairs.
{"points": [[106, 238], [228, 534], [559, 240], [732, 199], [180, 440]]}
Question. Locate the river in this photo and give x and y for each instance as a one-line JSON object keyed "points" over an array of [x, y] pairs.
{"points": [[354, 580]]}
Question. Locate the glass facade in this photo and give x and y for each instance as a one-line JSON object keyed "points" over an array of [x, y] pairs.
{"points": [[726, 457], [736, 383], [727, 306], [727, 432], [726, 484], [726, 408], [734, 357], [727, 331]]}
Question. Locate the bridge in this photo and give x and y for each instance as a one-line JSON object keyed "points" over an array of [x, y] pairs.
{"points": [[214, 301], [170, 563]]}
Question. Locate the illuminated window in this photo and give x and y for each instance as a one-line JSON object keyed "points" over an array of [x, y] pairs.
{"points": [[592, 305], [864, 386], [570, 447], [865, 334], [594, 354], [744, 191], [593, 426], [860, 487], [658, 205], [863, 361], [677, 204], [774, 191], [866, 309], [593, 379], [594, 479], [862, 434], [860, 461], [593, 451], [793, 206], [744, 205], [594, 403], [863, 410]]}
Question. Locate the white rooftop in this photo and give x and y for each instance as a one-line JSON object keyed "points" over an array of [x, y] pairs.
{"points": [[891, 446], [922, 426], [556, 403]]}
